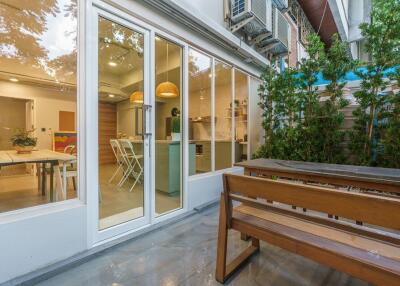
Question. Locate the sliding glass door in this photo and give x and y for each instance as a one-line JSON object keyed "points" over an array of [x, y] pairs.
{"points": [[123, 142]]}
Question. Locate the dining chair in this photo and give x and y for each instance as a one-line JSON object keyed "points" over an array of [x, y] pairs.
{"points": [[119, 157], [132, 160], [69, 169]]}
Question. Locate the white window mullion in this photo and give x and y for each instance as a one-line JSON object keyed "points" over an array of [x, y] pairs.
{"points": [[233, 114], [185, 122], [213, 114], [152, 102]]}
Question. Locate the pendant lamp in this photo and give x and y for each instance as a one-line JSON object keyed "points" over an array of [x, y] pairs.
{"points": [[137, 97], [167, 89]]}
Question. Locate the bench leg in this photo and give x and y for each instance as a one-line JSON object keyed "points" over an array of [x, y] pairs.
{"points": [[224, 271], [222, 245], [244, 236]]}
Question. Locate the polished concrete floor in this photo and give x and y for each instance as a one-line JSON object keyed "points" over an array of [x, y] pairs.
{"points": [[183, 253]]}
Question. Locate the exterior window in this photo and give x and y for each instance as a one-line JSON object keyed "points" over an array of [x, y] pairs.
{"points": [[240, 115], [168, 127], [223, 116], [38, 102], [200, 111]]}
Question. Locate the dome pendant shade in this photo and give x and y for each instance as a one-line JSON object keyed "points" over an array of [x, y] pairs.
{"points": [[167, 89], [137, 97]]}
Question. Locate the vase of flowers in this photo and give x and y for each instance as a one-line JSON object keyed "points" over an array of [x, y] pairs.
{"points": [[23, 141]]}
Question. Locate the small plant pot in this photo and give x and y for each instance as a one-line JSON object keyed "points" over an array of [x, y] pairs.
{"points": [[23, 149], [175, 136]]}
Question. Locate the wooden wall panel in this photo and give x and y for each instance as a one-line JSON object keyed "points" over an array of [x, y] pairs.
{"points": [[107, 131]]}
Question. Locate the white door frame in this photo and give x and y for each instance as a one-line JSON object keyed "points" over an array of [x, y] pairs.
{"points": [[94, 235]]}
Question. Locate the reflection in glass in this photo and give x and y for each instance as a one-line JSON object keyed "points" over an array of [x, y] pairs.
{"points": [[168, 126], [120, 92], [223, 116], [38, 67], [200, 110], [240, 111]]}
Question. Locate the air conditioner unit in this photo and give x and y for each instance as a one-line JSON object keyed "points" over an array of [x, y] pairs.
{"points": [[281, 4], [279, 42], [281, 28], [251, 15]]}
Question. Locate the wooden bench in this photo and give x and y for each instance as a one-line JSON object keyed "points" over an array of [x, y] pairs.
{"points": [[369, 253]]}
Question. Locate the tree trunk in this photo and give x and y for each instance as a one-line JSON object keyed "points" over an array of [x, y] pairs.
{"points": [[370, 127]]}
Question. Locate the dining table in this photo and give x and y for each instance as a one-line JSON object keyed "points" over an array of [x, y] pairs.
{"points": [[363, 177], [43, 157]]}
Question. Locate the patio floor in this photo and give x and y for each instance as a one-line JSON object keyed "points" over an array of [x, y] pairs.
{"points": [[183, 253]]}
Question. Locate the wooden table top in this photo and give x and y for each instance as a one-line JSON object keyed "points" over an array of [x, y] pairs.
{"points": [[327, 170], [11, 156]]}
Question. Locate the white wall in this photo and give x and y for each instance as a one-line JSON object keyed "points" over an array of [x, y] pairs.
{"points": [[40, 237], [48, 102], [209, 8], [205, 189]]}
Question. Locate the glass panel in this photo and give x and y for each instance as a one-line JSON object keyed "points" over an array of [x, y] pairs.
{"points": [[223, 116], [168, 195], [240, 107], [200, 111], [38, 102], [120, 93]]}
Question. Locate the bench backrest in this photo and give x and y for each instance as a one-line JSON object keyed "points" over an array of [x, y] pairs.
{"points": [[375, 210]]}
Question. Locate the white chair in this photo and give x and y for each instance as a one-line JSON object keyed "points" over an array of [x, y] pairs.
{"points": [[69, 170], [131, 159], [119, 156]]}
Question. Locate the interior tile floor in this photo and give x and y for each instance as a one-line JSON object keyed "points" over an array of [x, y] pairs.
{"points": [[117, 199], [19, 189], [183, 253]]}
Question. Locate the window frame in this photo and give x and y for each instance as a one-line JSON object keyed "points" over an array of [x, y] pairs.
{"points": [[80, 199]]}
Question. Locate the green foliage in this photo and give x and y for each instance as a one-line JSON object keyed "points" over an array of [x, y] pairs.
{"points": [[308, 130], [298, 126], [23, 137], [301, 125], [390, 156], [176, 124], [329, 119], [383, 44]]}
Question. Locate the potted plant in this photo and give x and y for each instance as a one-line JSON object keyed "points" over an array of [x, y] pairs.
{"points": [[175, 124], [23, 141], [176, 128]]}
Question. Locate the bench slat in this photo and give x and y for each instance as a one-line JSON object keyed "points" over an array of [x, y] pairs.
{"points": [[376, 269], [354, 240], [376, 210], [373, 233]]}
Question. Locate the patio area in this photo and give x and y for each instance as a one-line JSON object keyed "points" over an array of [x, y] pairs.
{"points": [[184, 253]]}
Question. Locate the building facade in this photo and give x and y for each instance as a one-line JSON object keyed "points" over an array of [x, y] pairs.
{"points": [[136, 107]]}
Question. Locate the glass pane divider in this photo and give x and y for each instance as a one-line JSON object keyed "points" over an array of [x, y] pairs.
{"points": [[212, 114], [233, 114]]}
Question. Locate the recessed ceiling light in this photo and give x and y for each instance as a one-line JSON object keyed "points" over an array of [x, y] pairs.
{"points": [[13, 79], [158, 39], [111, 95], [113, 64]]}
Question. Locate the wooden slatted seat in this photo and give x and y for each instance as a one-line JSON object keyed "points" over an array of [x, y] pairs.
{"points": [[368, 253]]}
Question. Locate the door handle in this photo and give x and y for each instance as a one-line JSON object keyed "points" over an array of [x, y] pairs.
{"points": [[146, 117]]}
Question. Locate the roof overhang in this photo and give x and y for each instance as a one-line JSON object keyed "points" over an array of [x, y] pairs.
{"points": [[320, 15]]}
